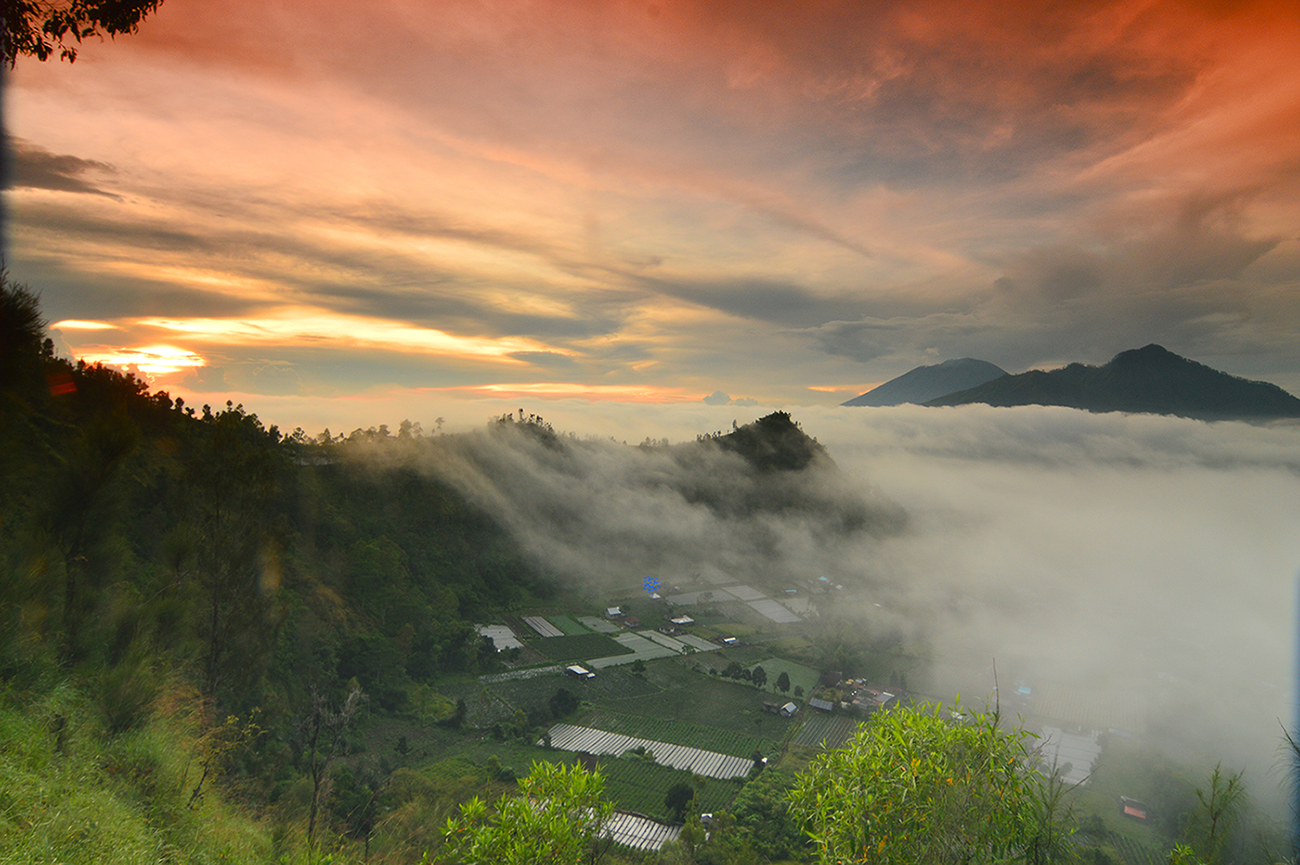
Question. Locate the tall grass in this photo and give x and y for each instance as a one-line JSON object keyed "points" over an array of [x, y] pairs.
{"points": [[70, 792]]}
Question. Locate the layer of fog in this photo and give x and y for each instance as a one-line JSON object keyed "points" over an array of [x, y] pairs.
{"points": [[1144, 560]]}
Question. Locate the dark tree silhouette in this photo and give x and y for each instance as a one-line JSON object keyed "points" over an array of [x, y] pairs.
{"points": [[39, 28], [677, 800]]}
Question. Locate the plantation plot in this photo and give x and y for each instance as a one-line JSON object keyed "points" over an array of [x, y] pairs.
{"points": [[599, 625], [666, 641], [542, 627], [699, 699], [833, 730], [641, 786], [640, 649], [567, 625], [677, 733], [640, 833], [710, 764], [580, 647], [699, 644]]}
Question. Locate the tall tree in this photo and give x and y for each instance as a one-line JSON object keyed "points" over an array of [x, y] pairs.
{"points": [[322, 730], [232, 479]]}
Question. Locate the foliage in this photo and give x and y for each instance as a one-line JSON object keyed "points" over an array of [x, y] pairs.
{"points": [[678, 799], [38, 28], [914, 786], [1220, 806], [555, 820]]}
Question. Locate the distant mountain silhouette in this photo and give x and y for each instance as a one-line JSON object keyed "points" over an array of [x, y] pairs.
{"points": [[1150, 380], [930, 382]]}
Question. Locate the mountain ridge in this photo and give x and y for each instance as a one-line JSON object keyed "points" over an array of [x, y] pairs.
{"points": [[924, 383], [1147, 380]]}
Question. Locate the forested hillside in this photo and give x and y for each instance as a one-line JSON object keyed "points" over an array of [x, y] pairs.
{"points": [[192, 574]]}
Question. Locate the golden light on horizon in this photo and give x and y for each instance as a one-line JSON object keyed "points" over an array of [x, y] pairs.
{"points": [[571, 390], [151, 360], [78, 324], [344, 330]]}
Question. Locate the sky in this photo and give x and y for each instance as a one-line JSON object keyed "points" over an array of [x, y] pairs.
{"points": [[345, 214]]}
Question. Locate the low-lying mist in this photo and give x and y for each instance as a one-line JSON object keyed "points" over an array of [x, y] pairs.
{"points": [[611, 515], [1142, 562]]}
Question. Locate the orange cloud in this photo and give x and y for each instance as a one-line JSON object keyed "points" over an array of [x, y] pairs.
{"points": [[571, 390], [151, 360], [76, 324], [340, 331]]}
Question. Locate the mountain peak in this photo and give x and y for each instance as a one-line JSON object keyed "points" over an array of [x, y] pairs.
{"points": [[1147, 380], [925, 383]]}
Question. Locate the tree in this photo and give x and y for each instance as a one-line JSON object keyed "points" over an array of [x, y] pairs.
{"points": [[678, 799], [913, 786], [759, 677], [556, 819], [38, 28], [783, 682], [1219, 809], [322, 730], [22, 329]]}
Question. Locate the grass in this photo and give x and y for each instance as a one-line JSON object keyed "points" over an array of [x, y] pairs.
{"points": [[800, 675], [71, 794]]}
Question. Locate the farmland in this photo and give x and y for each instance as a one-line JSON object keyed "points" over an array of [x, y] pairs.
{"points": [[639, 785], [677, 732], [568, 625], [833, 730], [579, 647]]}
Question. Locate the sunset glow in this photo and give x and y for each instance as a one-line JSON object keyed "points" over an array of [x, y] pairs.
{"points": [[666, 202], [151, 360]]}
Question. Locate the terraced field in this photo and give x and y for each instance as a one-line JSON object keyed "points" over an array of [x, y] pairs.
{"points": [[817, 728], [710, 764], [579, 647], [678, 733], [640, 786]]}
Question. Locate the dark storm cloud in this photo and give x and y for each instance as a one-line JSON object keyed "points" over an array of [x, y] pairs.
{"points": [[33, 167], [782, 303]]}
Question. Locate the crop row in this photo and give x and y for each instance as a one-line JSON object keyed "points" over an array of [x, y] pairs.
{"points": [[679, 733], [641, 786]]}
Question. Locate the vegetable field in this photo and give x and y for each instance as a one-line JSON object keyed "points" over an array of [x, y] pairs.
{"points": [[587, 740], [569, 626], [579, 647], [640, 786], [678, 733], [834, 730]]}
